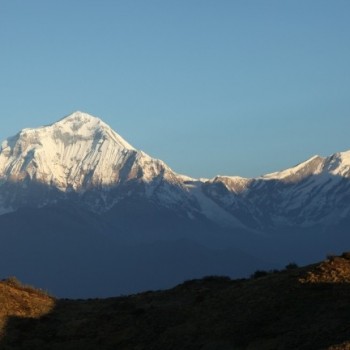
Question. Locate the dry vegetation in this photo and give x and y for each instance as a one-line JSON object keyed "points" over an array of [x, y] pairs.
{"points": [[336, 269], [298, 308], [18, 300]]}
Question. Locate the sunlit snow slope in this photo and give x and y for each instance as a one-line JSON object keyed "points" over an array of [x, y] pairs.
{"points": [[76, 152]]}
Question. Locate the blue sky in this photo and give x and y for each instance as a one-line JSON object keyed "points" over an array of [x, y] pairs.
{"points": [[210, 87]]}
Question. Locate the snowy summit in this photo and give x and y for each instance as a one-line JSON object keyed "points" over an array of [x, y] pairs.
{"points": [[79, 150]]}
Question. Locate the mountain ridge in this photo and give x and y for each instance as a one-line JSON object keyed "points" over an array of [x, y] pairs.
{"points": [[295, 308], [79, 190], [80, 152]]}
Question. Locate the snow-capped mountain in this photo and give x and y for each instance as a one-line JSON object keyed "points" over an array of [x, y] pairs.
{"points": [[76, 189], [313, 192], [82, 158], [77, 154]]}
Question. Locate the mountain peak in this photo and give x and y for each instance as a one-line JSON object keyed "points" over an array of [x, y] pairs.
{"points": [[79, 118], [78, 150], [88, 126], [81, 123]]}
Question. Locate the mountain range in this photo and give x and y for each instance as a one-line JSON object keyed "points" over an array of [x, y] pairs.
{"points": [[84, 213]]}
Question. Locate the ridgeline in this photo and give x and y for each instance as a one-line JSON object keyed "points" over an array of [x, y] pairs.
{"points": [[297, 308]]}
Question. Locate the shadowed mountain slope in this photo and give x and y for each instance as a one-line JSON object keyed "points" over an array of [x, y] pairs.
{"points": [[298, 308]]}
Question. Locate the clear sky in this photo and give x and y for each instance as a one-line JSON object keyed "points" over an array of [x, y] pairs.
{"points": [[210, 87]]}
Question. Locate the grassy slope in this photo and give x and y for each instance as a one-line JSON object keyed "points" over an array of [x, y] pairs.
{"points": [[304, 308]]}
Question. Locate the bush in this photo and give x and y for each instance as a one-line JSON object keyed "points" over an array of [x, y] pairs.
{"points": [[258, 274], [331, 257], [13, 281], [291, 266], [216, 278], [346, 255]]}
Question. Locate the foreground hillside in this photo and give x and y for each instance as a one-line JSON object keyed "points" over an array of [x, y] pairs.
{"points": [[297, 308]]}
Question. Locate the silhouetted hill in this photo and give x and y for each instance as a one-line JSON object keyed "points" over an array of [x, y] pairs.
{"points": [[297, 308]]}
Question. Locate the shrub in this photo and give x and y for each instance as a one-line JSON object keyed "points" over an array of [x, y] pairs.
{"points": [[346, 255], [258, 274], [13, 281], [291, 266], [216, 278], [331, 257]]}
